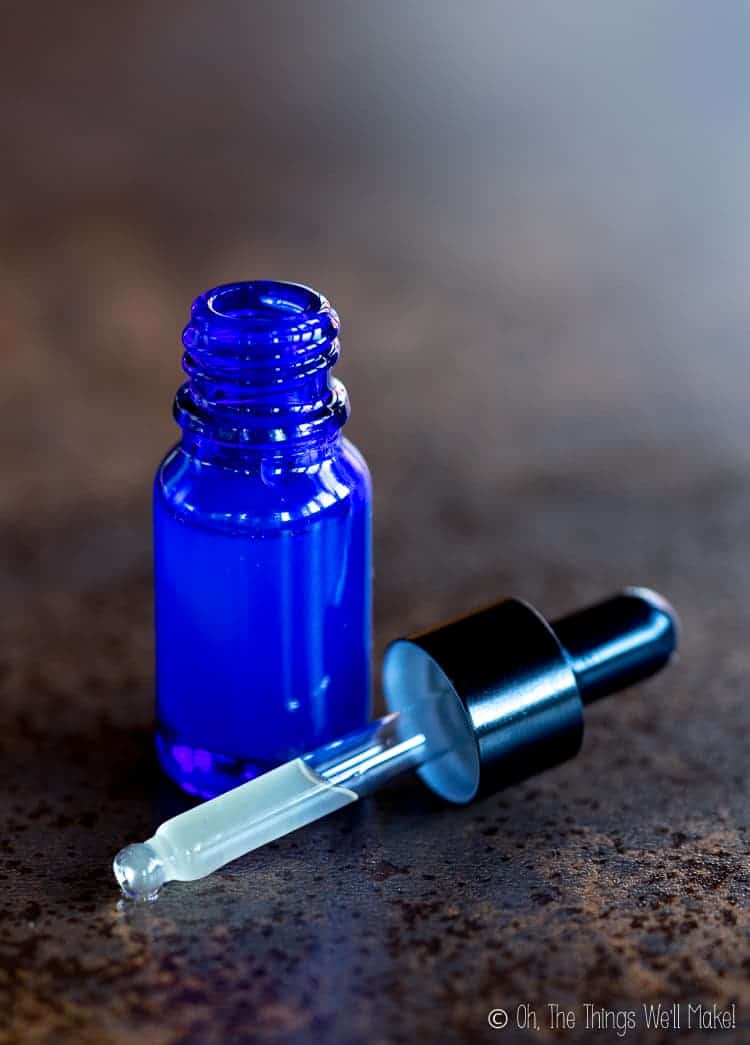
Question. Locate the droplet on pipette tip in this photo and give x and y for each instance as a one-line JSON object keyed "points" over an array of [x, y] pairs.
{"points": [[139, 871]]}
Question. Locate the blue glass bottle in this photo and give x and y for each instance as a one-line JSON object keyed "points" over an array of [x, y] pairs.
{"points": [[261, 543]]}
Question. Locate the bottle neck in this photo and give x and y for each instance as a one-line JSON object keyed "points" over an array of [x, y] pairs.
{"points": [[258, 357], [272, 459]]}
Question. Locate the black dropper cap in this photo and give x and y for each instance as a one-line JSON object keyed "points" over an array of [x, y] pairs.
{"points": [[506, 690]]}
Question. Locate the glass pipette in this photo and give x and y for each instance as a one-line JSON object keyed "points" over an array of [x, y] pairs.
{"points": [[199, 841], [475, 704]]}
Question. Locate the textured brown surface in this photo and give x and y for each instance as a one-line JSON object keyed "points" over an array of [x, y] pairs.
{"points": [[618, 878], [532, 227]]}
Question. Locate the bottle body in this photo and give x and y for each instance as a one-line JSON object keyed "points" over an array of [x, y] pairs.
{"points": [[262, 578]]}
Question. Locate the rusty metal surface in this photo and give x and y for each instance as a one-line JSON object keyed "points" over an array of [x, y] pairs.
{"points": [[545, 341], [618, 878]]}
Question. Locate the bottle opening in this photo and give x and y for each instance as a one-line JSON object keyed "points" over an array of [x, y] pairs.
{"points": [[263, 300]]}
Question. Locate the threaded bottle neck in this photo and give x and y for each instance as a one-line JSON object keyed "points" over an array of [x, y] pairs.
{"points": [[258, 356]]}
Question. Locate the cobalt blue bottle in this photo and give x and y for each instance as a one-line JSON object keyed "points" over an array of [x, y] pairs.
{"points": [[261, 543]]}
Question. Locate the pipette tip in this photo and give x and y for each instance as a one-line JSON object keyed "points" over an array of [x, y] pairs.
{"points": [[140, 871]]}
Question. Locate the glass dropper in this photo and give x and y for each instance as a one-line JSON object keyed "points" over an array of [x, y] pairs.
{"points": [[478, 703], [201, 840]]}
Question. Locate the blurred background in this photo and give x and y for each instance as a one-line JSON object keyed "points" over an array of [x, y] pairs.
{"points": [[532, 218]]}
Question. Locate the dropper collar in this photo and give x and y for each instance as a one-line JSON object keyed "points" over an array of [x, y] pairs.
{"points": [[514, 686]]}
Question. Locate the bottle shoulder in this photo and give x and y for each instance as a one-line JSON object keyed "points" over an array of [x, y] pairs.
{"points": [[262, 497]]}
